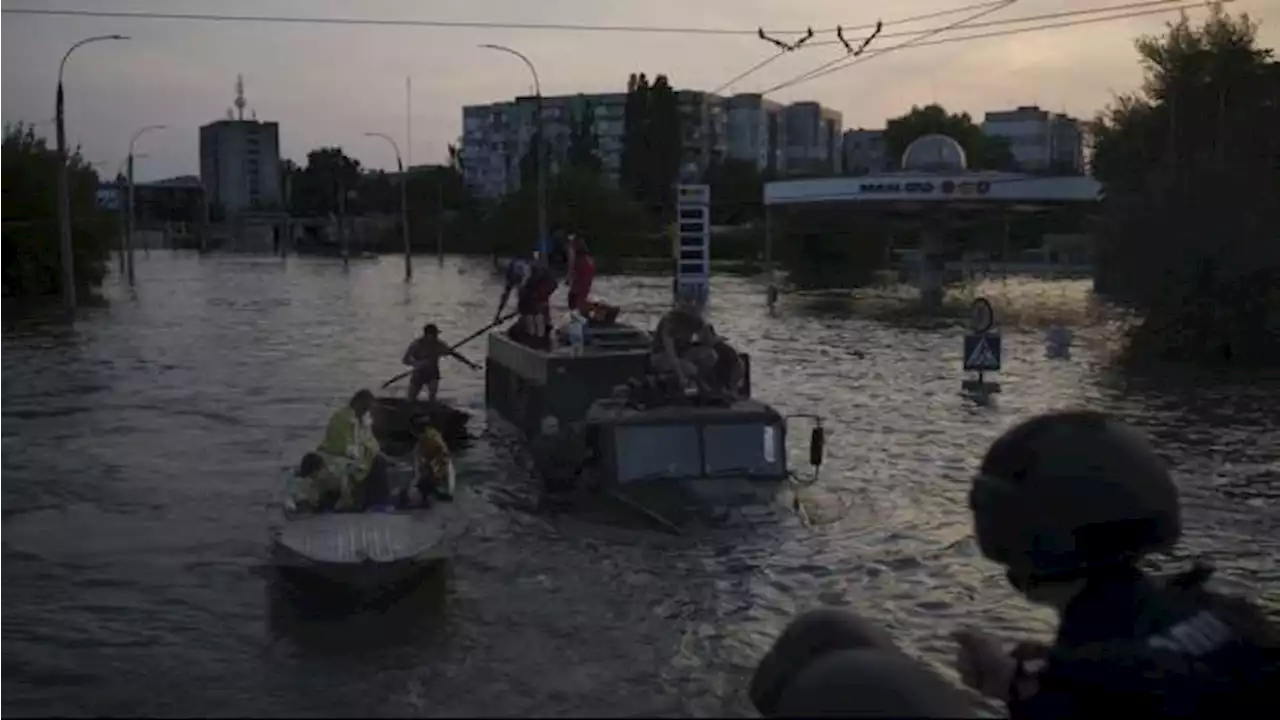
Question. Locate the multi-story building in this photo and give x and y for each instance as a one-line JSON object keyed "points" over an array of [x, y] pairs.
{"points": [[496, 137], [1041, 141], [801, 138], [240, 165], [811, 139], [865, 153], [755, 131]]}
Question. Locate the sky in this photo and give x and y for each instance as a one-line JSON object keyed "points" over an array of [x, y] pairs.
{"points": [[330, 84]]}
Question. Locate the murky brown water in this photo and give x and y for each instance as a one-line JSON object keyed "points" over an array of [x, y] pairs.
{"points": [[141, 447]]}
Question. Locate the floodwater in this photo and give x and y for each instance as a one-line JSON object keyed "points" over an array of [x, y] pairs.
{"points": [[142, 446]]}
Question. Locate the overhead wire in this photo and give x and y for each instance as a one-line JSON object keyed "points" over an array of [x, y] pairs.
{"points": [[1166, 6], [900, 21], [844, 61], [411, 22]]}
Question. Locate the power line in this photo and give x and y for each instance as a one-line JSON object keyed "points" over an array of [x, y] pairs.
{"points": [[826, 67], [901, 21], [1166, 7], [1026, 18], [406, 22]]}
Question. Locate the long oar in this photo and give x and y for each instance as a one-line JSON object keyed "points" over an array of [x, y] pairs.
{"points": [[458, 344]]}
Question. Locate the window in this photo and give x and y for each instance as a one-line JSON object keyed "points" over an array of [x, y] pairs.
{"points": [[657, 451]]}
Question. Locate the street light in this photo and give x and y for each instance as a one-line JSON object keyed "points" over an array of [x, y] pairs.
{"points": [[64, 183], [404, 202], [129, 227], [540, 149]]}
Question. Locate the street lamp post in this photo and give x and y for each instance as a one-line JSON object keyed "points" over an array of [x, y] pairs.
{"points": [[64, 182], [129, 228], [404, 203], [540, 149]]}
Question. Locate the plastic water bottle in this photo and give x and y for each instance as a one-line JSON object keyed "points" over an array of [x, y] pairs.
{"points": [[577, 333]]}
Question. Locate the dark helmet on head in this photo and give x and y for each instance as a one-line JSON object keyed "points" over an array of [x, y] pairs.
{"points": [[1067, 493]]}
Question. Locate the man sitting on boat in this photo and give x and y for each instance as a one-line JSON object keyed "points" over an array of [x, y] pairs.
{"points": [[424, 356], [351, 452], [317, 489]]}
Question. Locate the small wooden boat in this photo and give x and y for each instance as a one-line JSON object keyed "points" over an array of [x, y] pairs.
{"points": [[397, 422], [366, 554]]}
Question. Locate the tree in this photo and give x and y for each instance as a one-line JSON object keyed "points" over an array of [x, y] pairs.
{"points": [[1190, 168], [329, 172], [634, 138], [32, 252], [984, 152], [583, 147], [736, 191]]}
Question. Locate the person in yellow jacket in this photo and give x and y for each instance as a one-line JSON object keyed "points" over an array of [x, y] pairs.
{"points": [[433, 466], [351, 452]]}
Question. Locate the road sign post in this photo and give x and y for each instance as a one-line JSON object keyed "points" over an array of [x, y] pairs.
{"points": [[982, 349]]}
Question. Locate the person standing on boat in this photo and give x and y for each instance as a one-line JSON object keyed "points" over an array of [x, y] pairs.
{"points": [[350, 451], [534, 303], [582, 272], [516, 274], [424, 356]]}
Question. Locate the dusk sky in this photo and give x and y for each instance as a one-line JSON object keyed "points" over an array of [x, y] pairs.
{"points": [[329, 84]]}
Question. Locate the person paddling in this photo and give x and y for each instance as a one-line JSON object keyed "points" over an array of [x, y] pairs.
{"points": [[424, 354]]}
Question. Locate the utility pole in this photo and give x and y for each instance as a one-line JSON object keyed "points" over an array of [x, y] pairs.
{"points": [[539, 148], [440, 219], [129, 234], [65, 245], [404, 204]]}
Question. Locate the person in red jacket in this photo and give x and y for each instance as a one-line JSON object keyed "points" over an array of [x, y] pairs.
{"points": [[582, 271]]}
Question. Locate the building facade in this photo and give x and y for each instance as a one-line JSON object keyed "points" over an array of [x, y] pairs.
{"points": [[1041, 141], [865, 153], [754, 128], [801, 138], [240, 165]]}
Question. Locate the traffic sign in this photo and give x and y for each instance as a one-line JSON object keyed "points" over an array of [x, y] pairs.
{"points": [[981, 316], [982, 352]]}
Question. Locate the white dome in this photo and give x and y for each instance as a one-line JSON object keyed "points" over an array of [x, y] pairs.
{"points": [[934, 153]]}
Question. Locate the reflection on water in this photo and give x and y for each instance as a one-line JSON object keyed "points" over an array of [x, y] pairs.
{"points": [[142, 446]]}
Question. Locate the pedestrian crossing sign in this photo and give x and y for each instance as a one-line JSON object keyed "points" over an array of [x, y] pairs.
{"points": [[982, 352]]}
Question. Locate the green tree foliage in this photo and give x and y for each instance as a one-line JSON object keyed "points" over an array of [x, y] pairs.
{"points": [[984, 152], [584, 146], [577, 201], [737, 190], [328, 173], [32, 258], [1191, 171], [652, 144]]}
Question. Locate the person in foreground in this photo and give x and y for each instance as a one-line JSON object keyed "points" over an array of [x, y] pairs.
{"points": [[423, 354], [350, 452], [1069, 503]]}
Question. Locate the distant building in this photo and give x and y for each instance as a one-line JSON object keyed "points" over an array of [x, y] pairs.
{"points": [[1041, 141], [754, 128], [865, 153], [811, 140], [240, 162]]}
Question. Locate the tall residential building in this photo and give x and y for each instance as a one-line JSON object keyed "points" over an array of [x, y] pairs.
{"points": [[865, 153], [240, 161], [1041, 141], [800, 138], [497, 136], [755, 131], [811, 139]]}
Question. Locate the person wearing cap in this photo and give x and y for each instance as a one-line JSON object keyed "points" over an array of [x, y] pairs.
{"points": [[424, 354], [1069, 503]]}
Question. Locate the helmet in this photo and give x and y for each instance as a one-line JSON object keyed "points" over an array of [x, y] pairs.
{"points": [[1064, 494]]}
